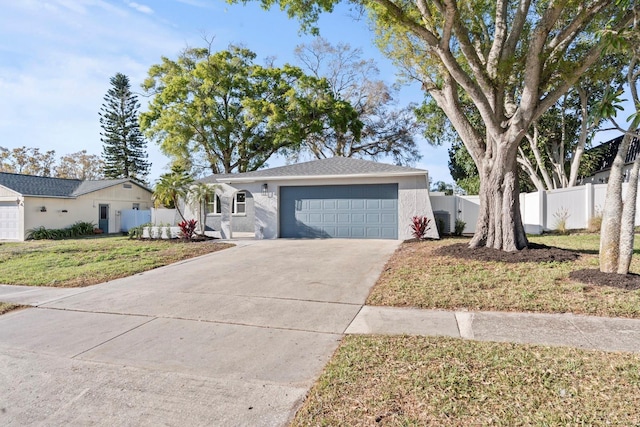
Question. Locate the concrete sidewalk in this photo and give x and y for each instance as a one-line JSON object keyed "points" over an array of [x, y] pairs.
{"points": [[587, 332]]}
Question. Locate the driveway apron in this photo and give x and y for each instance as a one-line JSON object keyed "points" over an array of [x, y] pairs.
{"points": [[232, 338]]}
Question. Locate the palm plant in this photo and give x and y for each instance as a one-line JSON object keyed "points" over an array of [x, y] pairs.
{"points": [[197, 197], [171, 187]]}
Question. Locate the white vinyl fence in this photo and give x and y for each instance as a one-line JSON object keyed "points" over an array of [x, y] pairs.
{"points": [[540, 210]]}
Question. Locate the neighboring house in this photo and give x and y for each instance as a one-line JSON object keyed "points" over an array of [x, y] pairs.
{"points": [[28, 202], [605, 154], [337, 197]]}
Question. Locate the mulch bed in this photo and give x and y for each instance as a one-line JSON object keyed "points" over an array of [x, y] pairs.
{"points": [[534, 253], [543, 253], [592, 276]]}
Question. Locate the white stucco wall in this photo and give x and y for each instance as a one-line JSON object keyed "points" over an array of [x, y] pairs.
{"points": [[83, 208], [413, 199]]}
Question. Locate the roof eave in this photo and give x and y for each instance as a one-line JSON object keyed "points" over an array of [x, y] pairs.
{"points": [[312, 177]]}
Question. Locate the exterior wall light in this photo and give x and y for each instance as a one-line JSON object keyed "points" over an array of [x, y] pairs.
{"points": [[43, 209], [265, 189]]}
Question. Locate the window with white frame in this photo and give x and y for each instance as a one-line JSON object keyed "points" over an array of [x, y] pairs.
{"points": [[240, 204], [213, 205]]}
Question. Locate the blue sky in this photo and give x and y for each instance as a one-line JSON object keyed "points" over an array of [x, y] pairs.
{"points": [[56, 58]]}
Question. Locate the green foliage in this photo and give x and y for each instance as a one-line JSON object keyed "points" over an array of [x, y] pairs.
{"points": [[171, 188], [223, 113], [78, 229], [124, 146], [458, 228], [138, 231]]}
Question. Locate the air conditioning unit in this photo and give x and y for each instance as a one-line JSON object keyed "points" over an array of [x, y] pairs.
{"points": [[443, 221]]}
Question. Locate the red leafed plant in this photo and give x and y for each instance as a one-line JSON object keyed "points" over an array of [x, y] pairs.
{"points": [[188, 228], [419, 226]]}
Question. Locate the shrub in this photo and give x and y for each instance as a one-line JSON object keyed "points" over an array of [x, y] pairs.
{"points": [[78, 229], [188, 229], [419, 226], [459, 227], [136, 232]]}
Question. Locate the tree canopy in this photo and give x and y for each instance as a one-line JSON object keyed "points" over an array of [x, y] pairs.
{"points": [[513, 59], [31, 161], [387, 130], [223, 113]]}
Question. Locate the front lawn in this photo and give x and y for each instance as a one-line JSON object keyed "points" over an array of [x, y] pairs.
{"points": [[417, 277], [88, 261], [427, 381]]}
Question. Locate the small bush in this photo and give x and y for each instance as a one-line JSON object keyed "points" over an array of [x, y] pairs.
{"points": [[136, 232], [187, 229], [459, 227], [419, 226]]}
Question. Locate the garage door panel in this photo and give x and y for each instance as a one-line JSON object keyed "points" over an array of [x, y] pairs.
{"points": [[388, 204], [346, 211], [388, 218], [313, 218], [357, 204], [357, 218], [343, 204], [344, 218], [9, 221], [329, 218]]}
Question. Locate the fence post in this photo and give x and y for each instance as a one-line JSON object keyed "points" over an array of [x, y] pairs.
{"points": [[588, 188]]}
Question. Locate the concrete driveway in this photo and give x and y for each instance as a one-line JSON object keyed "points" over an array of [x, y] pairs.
{"points": [[232, 338]]}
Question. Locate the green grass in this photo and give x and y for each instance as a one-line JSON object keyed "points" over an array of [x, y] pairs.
{"points": [[417, 277], [419, 381], [83, 262], [6, 307]]}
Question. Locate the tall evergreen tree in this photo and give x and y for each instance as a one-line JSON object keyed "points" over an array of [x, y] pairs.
{"points": [[124, 149]]}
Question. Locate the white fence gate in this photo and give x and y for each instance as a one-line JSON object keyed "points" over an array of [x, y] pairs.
{"points": [[130, 218]]}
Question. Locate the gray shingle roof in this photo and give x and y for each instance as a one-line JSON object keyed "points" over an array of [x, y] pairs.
{"points": [[29, 185], [335, 166]]}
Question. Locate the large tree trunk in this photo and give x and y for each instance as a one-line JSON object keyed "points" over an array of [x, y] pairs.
{"points": [[612, 213], [499, 223]]}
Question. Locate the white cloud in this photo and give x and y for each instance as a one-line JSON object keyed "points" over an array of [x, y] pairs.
{"points": [[140, 7]]}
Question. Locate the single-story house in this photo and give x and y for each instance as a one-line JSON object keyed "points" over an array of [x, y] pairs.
{"points": [[605, 154], [336, 197], [28, 202]]}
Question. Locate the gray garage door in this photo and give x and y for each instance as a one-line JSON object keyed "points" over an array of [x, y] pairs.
{"points": [[9, 217], [344, 211]]}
